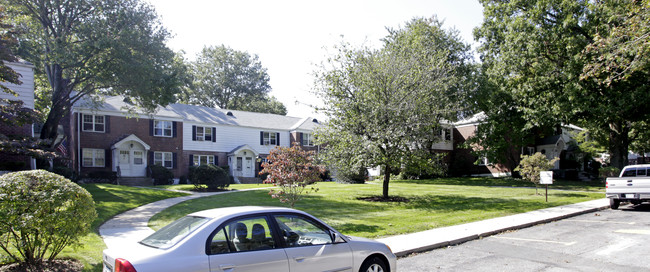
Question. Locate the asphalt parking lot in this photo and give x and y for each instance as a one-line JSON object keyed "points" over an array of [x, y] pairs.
{"points": [[607, 240]]}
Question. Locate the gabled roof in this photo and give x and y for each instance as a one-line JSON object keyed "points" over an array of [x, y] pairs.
{"points": [[207, 115]]}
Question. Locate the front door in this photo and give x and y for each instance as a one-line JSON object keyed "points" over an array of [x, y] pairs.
{"points": [[131, 161], [250, 170]]}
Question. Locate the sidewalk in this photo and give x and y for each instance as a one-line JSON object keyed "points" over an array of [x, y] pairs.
{"points": [[132, 225]]}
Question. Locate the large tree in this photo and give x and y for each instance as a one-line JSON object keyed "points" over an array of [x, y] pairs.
{"points": [[90, 48], [536, 52], [231, 79], [384, 103], [7, 40]]}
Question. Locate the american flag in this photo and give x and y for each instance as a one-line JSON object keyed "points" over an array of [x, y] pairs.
{"points": [[62, 148]]}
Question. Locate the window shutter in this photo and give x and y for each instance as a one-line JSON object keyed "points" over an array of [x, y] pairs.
{"points": [[300, 138], [191, 160], [174, 131], [277, 138], [214, 134], [174, 159], [150, 127], [261, 137], [216, 160], [107, 158], [193, 133], [107, 124], [151, 158]]}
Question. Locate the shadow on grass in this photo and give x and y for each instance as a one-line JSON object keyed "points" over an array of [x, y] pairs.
{"points": [[349, 227], [507, 182], [457, 203]]}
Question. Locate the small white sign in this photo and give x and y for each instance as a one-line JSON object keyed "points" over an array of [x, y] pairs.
{"points": [[546, 177]]}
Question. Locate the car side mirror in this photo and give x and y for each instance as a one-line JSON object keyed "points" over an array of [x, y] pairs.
{"points": [[336, 238]]}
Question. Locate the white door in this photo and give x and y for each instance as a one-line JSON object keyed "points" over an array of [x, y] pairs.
{"points": [[125, 163], [138, 167], [250, 169], [310, 246], [246, 245]]}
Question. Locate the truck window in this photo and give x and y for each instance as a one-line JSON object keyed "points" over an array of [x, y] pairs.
{"points": [[630, 172], [642, 172]]}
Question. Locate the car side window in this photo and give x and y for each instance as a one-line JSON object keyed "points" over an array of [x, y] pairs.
{"points": [[299, 231], [247, 234], [641, 172], [631, 172]]}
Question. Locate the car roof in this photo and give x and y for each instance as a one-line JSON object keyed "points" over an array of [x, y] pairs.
{"points": [[239, 210], [637, 166]]}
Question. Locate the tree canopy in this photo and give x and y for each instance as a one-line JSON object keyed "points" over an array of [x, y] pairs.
{"points": [[230, 79], [384, 103], [7, 40], [539, 53], [88, 48]]}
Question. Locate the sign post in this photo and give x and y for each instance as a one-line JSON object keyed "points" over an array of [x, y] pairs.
{"points": [[546, 177]]}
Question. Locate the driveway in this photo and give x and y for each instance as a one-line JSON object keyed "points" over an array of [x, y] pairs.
{"points": [[606, 240]]}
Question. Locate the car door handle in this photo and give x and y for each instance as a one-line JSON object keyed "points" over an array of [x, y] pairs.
{"points": [[299, 259], [226, 267]]}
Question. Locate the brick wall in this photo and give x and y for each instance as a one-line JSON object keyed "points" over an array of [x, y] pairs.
{"points": [[117, 128]]}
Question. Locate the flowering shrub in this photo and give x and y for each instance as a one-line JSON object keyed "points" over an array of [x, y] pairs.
{"points": [[531, 166], [291, 170], [40, 214]]}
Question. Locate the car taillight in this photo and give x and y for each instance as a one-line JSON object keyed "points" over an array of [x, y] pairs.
{"points": [[606, 184], [122, 265]]}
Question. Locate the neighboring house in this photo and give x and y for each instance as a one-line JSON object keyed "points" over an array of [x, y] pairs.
{"points": [[179, 136], [25, 92], [554, 146]]}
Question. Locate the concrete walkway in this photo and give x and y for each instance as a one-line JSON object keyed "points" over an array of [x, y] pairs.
{"points": [[132, 226]]}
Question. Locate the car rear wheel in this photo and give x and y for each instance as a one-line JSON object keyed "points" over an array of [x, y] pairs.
{"points": [[614, 203], [374, 264]]}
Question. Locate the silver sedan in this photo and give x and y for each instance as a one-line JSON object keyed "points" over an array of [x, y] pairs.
{"points": [[250, 239]]}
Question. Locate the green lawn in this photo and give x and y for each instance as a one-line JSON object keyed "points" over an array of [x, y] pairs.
{"points": [[433, 203], [110, 200]]}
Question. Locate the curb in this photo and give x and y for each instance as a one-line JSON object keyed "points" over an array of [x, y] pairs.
{"points": [[406, 244]]}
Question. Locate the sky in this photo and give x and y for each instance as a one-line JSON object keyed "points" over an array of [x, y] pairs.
{"points": [[291, 38]]}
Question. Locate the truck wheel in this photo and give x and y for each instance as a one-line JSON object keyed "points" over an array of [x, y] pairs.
{"points": [[636, 202], [613, 203]]}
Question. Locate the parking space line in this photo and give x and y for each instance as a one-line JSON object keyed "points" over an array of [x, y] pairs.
{"points": [[598, 221], [535, 240], [645, 232]]}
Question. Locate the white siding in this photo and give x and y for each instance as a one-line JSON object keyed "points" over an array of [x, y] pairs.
{"points": [[230, 137], [25, 91]]}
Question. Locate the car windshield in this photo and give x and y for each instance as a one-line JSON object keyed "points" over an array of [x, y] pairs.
{"points": [[169, 235]]}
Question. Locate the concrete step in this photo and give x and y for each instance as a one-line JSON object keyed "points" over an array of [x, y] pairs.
{"points": [[245, 180], [135, 181]]}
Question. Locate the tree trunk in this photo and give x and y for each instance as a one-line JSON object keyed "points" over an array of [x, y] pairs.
{"points": [[619, 142], [386, 180], [60, 101]]}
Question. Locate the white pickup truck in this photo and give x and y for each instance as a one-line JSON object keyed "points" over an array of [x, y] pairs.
{"points": [[632, 185]]}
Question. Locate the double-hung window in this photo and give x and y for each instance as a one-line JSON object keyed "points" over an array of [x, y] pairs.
{"points": [[203, 159], [270, 138], [94, 123], [93, 157], [203, 134], [163, 158], [307, 139], [162, 128], [447, 134]]}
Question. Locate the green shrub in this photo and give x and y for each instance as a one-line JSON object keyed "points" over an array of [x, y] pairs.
{"points": [[182, 180], [609, 171], [101, 177], [13, 165], [356, 175], [65, 172], [211, 176], [161, 175], [41, 213]]}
